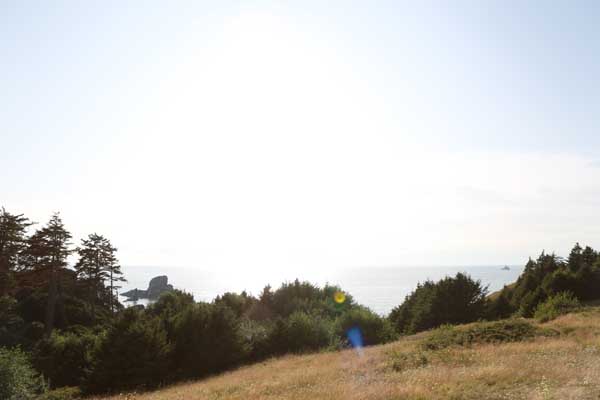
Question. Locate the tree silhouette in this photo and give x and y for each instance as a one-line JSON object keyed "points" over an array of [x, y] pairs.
{"points": [[12, 244], [97, 263], [47, 252]]}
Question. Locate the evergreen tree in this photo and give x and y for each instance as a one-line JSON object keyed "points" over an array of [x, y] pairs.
{"points": [[97, 263], [46, 253], [575, 259], [588, 256], [113, 269], [452, 300], [13, 230]]}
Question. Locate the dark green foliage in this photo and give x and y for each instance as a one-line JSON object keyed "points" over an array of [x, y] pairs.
{"points": [[133, 353], [72, 306], [12, 326], [579, 258], [296, 296], [300, 332], [12, 245], [550, 275], [256, 338], [18, 380], [560, 280], [374, 329], [484, 332], [240, 304], [500, 307], [559, 304], [308, 298], [262, 309], [588, 282], [65, 359], [168, 306], [530, 301], [46, 253], [207, 338], [98, 264], [452, 300]]}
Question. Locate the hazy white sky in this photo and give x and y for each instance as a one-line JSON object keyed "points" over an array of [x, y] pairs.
{"points": [[303, 135]]}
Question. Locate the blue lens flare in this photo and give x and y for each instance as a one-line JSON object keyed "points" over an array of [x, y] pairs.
{"points": [[355, 337]]}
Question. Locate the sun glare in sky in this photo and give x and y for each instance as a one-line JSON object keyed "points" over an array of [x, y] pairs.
{"points": [[311, 136]]}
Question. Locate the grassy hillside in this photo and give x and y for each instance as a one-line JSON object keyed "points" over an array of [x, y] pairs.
{"points": [[560, 361]]}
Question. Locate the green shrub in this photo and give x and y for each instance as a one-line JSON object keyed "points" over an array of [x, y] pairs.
{"points": [[483, 332], [18, 379], [133, 353], [207, 339], [300, 332], [374, 329], [11, 324], [559, 304], [452, 300], [307, 332], [530, 302], [65, 359], [305, 297], [256, 337], [500, 307], [240, 304], [170, 303]]}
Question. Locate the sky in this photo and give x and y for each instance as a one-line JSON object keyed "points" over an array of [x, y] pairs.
{"points": [[296, 135]]}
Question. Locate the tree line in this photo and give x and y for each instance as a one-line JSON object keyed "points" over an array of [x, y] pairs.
{"points": [[62, 326]]}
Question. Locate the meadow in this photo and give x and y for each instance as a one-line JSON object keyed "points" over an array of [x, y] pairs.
{"points": [[561, 363]]}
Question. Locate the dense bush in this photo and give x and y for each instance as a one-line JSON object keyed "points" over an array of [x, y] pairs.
{"points": [[168, 306], [308, 298], [559, 304], [65, 359], [207, 338], [373, 328], [18, 379], [240, 304], [500, 306], [256, 335], [134, 352], [300, 332], [452, 300], [11, 323]]}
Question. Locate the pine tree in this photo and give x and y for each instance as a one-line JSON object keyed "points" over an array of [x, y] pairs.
{"points": [[98, 264], [113, 270], [46, 253], [575, 258], [13, 230]]}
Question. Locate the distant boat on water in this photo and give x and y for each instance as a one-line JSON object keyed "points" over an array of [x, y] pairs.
{"points": [[505, 268]]}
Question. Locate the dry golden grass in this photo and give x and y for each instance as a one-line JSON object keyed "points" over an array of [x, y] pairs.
{"points": [[560, 367]]}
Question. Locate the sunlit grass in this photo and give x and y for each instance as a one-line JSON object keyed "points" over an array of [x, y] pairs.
{"points": [[565, 366]]}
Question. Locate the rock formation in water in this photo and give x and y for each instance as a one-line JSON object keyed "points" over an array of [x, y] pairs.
{"points": [[158, 285]]}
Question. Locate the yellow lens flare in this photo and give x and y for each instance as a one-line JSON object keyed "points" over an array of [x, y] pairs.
{"points": [[339, 297]]}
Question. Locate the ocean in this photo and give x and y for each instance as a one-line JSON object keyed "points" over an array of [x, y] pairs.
{"points": [[379, 288]]}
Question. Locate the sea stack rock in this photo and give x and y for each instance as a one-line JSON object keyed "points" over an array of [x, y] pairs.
{"points": [[158, 285]]}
